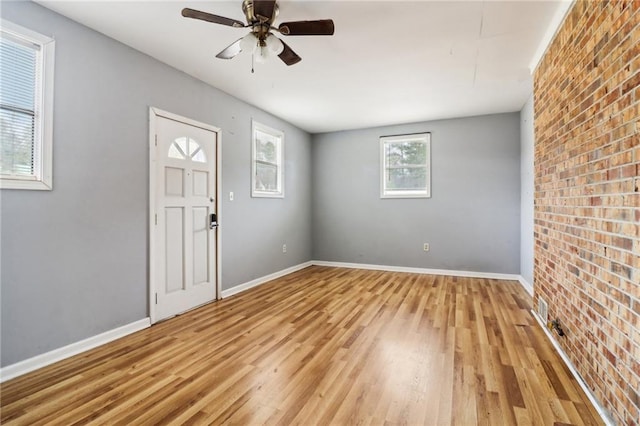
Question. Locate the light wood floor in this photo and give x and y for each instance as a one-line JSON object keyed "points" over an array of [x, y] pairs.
{"points": [[321, 346]]}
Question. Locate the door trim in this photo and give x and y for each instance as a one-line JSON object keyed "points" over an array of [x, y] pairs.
{"points": [[154, 113]]}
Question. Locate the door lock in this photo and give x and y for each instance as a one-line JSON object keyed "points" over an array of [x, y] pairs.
{"points": [[213, 221]]}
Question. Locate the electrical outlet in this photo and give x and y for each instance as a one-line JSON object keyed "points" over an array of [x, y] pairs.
{"points": [[231, 196], [425, 247], [284, 248]]}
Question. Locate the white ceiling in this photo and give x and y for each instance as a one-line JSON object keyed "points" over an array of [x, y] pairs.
{"points": [[389, 62]]}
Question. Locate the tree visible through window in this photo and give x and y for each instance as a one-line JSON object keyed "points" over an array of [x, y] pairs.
{"points": [[267, 174], [405, 166]]}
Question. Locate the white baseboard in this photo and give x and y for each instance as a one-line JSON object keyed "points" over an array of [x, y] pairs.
{"points": [[470, 274], [258, 281], [489, 275], [599, 408], [526, 284], [39, 361]]}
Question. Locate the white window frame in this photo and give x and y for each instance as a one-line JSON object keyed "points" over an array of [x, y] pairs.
{"points": [[279, 135], [385, 192], [42, 179]]}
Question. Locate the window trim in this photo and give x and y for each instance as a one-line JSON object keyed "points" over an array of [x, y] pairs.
{"points": [[420, 137], [43, 112], [257, 193]]}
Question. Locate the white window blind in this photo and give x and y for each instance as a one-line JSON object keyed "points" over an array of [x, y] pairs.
{"points": [[26, 108], [18, 83]]}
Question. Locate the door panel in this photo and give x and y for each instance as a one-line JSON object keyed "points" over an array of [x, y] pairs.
{"points": [[185, 246], [200, 183], [200, 245], [174, 248], [174, 182]]}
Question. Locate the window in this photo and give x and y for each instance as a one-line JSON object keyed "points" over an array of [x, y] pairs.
{"points": [[267, 174], [26, 104], [184, 147], [405, 166]]}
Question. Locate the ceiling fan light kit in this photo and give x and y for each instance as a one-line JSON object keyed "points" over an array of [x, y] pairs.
{"points": [[262, 50], [261, 42]]}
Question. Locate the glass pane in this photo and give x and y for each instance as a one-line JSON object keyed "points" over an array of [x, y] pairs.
{"points": [[181, 144], [406, 153], [266, 177], [196, 153], [199, 157], [18, 62], [17, 73], [174, 152], [16, 141], [266, 147], [193, 146], [407, 179]]}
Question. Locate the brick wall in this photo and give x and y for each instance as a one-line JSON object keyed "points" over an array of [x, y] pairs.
{"points": [[587, 197]]}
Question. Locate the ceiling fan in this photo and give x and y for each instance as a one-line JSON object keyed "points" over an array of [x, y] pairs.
{"points": [[260, 41]]}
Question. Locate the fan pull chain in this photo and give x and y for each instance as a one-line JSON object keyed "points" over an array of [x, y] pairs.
{"points": [[253, 55]]}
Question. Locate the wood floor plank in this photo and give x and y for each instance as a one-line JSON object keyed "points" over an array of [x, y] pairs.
{"points": [[321, 346]]}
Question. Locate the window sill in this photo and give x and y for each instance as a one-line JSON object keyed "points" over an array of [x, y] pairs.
{"points": [[35, 185], [421, 195]]}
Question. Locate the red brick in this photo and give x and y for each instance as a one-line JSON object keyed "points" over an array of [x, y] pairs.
{"points": [[587, 195]]}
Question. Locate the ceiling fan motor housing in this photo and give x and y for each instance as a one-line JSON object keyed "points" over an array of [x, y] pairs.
{"points": [[260, 15], [249, 13]]}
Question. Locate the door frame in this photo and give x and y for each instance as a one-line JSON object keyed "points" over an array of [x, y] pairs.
{"points": [[154, 113]]}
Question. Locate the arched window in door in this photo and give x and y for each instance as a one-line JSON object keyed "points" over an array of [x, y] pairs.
{"points": [[184, 147]]}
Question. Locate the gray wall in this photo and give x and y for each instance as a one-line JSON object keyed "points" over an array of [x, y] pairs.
{"points": [[472, 220], [74, 260], [527, 141]]}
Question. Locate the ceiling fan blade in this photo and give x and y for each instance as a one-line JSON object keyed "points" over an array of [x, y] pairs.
{"points": [[297, 28], [264, 8], [288, 56], [204, 16], [231, 51]]}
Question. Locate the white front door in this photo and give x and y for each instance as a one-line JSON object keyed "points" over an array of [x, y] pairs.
{"points": [[184, 228]]}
